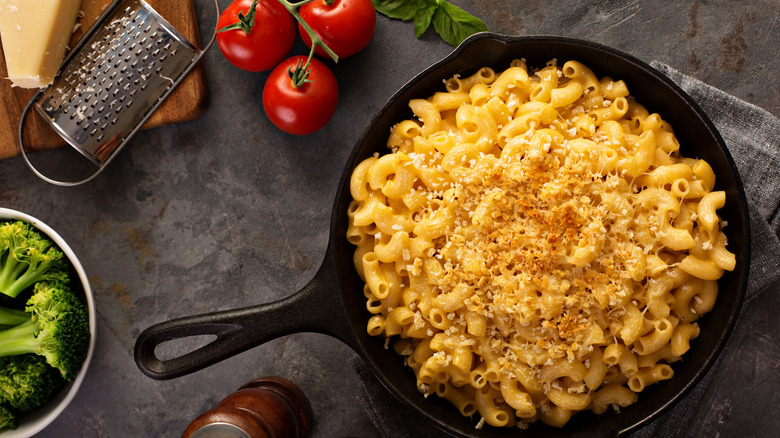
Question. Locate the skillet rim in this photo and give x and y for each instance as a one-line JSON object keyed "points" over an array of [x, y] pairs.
{"points": [[337, 245]]}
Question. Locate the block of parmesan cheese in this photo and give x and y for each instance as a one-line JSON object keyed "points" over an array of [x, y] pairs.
{"points": [[35, 34]]}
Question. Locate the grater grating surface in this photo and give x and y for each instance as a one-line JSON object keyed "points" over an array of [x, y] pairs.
{"points": [[113, 81], [123, 69]]}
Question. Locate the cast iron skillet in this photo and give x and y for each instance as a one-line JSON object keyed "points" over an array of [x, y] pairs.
{"points": [[333, 302]]}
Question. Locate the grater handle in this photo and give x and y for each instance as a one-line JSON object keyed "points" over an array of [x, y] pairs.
{"points": [[27, 107], [216, 30], [35, 170]]}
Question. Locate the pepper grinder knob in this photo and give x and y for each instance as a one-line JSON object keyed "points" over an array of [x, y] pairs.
{"points": [[268, 407]]}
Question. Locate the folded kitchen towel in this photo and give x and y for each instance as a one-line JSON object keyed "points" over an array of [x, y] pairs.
{"points": [[752, 136]]}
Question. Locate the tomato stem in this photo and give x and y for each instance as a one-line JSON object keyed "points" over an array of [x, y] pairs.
{"points": [[245, 22], [299, 74], [315, 39]]}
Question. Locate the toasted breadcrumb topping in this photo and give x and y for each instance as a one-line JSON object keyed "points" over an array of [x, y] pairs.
{"points": [[520, 255]]}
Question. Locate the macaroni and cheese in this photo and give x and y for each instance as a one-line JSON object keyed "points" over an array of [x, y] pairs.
{"points": [[536, 243]]}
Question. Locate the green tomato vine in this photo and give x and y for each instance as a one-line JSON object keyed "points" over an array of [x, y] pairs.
{"points": [[299, 75]]}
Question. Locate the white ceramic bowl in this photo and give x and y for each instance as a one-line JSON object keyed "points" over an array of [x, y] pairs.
{"points": [[33, 422]]}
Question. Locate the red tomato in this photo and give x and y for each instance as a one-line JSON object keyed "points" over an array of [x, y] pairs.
{"points": [[305, 109], [346, 26], [269, 40]]}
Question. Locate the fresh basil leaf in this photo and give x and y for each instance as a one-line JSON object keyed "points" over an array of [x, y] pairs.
{"points": [[422, 16], [398, 9], [454, 24]]}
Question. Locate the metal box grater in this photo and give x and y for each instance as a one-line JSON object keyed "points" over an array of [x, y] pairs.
{"points": [[114, 79]]}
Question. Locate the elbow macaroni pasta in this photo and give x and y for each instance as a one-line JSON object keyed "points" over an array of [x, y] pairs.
{"points": [[537, 243]]}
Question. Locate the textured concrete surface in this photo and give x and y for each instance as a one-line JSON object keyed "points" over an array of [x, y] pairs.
{"points": [[226, 211]]}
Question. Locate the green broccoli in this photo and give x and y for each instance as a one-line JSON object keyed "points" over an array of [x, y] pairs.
{"points": [[27, 257], [12, 317], [57, 329], [27, 381], [7, 418]]}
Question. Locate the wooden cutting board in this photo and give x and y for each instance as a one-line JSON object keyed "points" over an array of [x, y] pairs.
{"points": [[186, 102]]}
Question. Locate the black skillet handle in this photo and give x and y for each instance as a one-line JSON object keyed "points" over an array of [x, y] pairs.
{"points": [[315, 308]]}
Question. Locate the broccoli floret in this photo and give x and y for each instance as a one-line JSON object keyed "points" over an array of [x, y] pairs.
{"points": [[27, 257], [7, 418], [27, 381], [58, 329]]}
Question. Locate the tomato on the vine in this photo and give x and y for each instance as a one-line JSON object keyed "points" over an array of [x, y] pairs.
{"points": [[256, 39], [346, 26], [302, 109]]}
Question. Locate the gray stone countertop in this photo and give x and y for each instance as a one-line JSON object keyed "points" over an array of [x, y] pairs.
{"points": [[226, 211]]}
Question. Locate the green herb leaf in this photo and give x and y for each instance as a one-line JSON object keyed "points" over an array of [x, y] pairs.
{"points": [[422, 16], [454, 24], [398, 9]]}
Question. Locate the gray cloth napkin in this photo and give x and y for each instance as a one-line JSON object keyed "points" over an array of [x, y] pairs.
{"points": [[752, 136]]}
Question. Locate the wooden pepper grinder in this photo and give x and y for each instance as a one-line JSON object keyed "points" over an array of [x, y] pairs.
{"points": [[269, 407]]}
